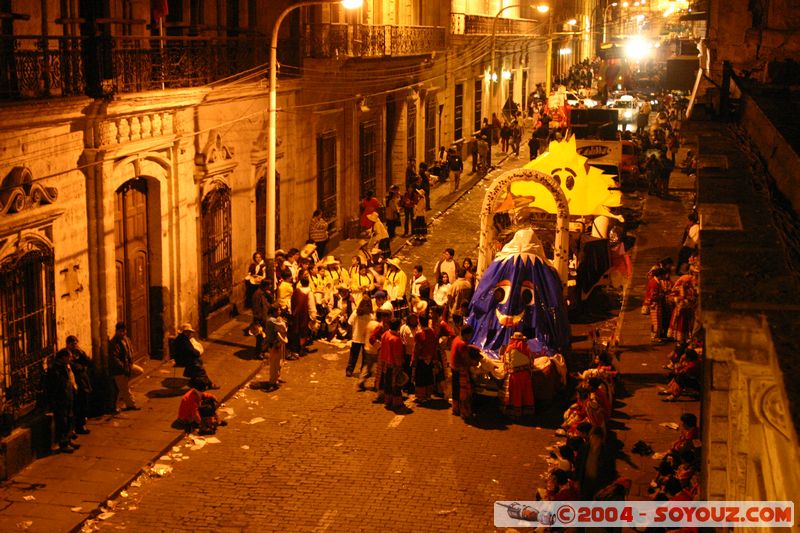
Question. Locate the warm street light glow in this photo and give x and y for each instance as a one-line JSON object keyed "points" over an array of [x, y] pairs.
{"points": [[565, 51], [542, 8], [506, 74], [272, 123], [625, 4], [637, 48], [572, 22]]}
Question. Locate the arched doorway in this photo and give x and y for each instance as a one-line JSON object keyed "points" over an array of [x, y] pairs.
{"points": [[216, 267], [132, 251]]}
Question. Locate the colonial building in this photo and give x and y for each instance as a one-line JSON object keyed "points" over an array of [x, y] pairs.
{"points": [[133, 151]]}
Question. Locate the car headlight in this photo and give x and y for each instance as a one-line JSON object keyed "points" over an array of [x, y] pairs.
{"points": [[627, 114]]}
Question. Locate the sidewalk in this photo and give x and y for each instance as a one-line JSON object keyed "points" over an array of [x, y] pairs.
{"points": [[46, 495], [637, 416]]}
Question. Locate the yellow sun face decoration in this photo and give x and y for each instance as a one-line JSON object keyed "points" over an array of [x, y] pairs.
{"points": [[586, 187]]}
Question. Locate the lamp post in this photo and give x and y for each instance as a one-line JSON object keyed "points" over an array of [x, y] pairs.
{"points": [[605, 20], [272, 120]]}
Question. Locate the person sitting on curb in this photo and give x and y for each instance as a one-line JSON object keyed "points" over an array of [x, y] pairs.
{"points": [[188, 355], [198, 410]]}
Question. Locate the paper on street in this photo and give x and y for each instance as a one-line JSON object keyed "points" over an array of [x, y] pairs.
{"points": [[256, 420]]}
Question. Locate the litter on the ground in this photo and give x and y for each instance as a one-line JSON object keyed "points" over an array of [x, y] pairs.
{"points": [[76, 509], [245, 447], [313, 381], [123, 494], [29, 498], [161, 470], [445, 512], [670, 425], [25, 524], [165, 458], [213, 440], [105, 516], [256, 420], [282, 422]]}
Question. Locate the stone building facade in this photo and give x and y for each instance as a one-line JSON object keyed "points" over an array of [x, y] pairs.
{"points": [[133, 154]]}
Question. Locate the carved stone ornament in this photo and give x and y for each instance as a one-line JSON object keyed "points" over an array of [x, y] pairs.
{"points": [[19, 192], [770, 408], [216, 158]]}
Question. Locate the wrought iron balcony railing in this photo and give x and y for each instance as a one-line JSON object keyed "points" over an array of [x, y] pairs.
{"points": [[463, 24], [361, 40], [35, 66]]}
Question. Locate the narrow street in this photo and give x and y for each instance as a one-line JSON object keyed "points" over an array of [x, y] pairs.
{"points": [[317, 455]]}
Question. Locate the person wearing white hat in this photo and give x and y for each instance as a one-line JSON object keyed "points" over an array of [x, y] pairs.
{"points": [[379, 236], [395, 282]]}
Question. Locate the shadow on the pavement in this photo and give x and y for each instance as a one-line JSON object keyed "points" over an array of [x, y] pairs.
{"points": [[634, 382], [172, 387], [223, 342], [438, 404]]}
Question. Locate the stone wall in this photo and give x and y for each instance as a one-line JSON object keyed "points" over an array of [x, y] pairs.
{"points": [[747, 305]]}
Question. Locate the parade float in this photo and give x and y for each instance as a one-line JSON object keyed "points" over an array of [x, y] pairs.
{"points": [[522, 287]]}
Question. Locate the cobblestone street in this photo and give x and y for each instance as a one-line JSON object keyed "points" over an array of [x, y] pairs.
{"points": [[325, 457]]}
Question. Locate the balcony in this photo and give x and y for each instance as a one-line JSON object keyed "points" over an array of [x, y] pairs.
{"points": [[331, 41], [463, 24], [37, 67]]}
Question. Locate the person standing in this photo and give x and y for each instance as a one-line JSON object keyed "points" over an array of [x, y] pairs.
{"points": [[369, 205], [516, 137], [255, 275], [407, 333], [441, 292], [533, 147], [422, 361], [456, 165], [304, 313], [408, 201], [393, 210], [446, 264], [261, 300], [369, 362], [359, 320], [61, 387], [82, 367], [318, 231], [460, 294], [395, 284], [391, 355], [379, 235], [460, 363], [425, 184], [122, 368], [417, 282], [518, 390], [275, 339]]}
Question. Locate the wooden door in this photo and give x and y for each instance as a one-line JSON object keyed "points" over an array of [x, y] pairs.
{"points": [[132, 263]]}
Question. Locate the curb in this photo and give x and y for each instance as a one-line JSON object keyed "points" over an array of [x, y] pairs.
{"points": [[95, 512]]}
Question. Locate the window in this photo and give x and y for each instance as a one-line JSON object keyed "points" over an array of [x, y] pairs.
{"points": [[458, 112], [368, 157], [326, 174], [476, 119], [27, 322], [430, 130], [411, 129]]}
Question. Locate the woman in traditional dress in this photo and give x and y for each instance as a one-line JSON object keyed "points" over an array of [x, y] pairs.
{"points": [[518, 389], [684, 296]]}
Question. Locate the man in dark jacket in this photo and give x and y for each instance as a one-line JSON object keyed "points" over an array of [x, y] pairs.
{"points": [[188, 355], [81, 366], [60, 387], [121, 367]]}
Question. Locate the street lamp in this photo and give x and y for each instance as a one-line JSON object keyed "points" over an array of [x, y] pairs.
{"points": [[273, 119], [605, 20]]}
